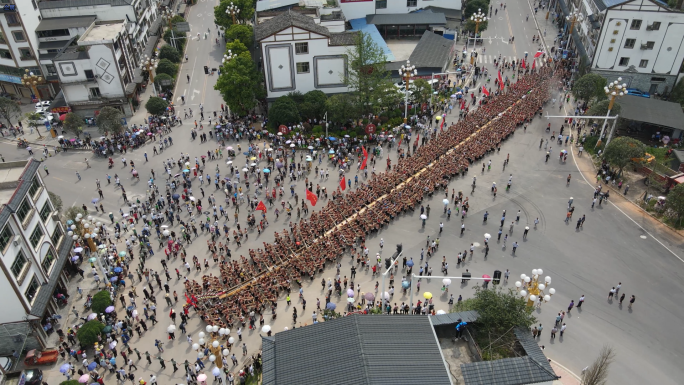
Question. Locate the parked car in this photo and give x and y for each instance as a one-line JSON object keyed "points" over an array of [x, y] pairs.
{"points": [[636, 92], [44, 116], [42, 105]]}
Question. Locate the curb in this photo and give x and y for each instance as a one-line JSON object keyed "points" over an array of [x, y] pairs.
{"points": [[14, 141]]}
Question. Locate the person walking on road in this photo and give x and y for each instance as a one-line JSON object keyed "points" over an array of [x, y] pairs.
{"points": [[611, 293], [631, 301]]}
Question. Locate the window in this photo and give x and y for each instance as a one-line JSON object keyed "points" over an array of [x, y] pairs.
{"points": [[18, 265], [89, 74], [45, 211], [303, 68], [95, 92], [23, 210], [32, 289], [35, 186], [643, 63], [636, 24], [54, 33], [5, 54], [301, 48], [5, 237], [35, 6], [12, 19], [36, 236], [624, 61], [655, 26], [56, 235], [2, 38], [411, 3], [25, 53], [48, 261], [18, 36], [51, 69], [380, 4], [650, 44], [629, 43]]}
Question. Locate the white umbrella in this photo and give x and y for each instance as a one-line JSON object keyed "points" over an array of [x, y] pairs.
{"points": [[266, 328], [280, 134], [78, 250], [171, 329], [166, 233], [310, 147], [229, 162], [192, 198], [112, 344], [245, 169], [164, 226], [446, 281], [216, 371], [440, 312], [253, 164], [288, 142], [423, 216], [92, 316], [487, 235], [292, 145], [445, 201]]}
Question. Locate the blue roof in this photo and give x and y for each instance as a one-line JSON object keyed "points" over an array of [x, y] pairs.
{"points": [[611, 3], [372, 31]]}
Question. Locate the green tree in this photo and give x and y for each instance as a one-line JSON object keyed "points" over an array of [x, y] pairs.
{"points": [[165, 66], [589, 86], [156, 106], [601, 109], [675, 202], [387, 96], [56, 201], [172, 33], [87, 334], [313, 106], [241, 84], [70, 382], [177, 19], [366, 70], [243, 33], [162, 79], [341, 108], [109, 120], [9, 110], [72, 212], [422, 90], [32, 118], [470, 27], [677, 94], [73, 123], [621, 150], [283, 111], [170, 53], [297, 96], [101, 300], [225, 20], [236, 47], [474, 6]]}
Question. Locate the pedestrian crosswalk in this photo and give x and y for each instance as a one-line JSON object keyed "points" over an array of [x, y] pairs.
{"points": [[489, 59]]}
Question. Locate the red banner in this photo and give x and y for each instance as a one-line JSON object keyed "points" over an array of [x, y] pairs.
{"points": [[370, 129], [283, 129], [343, 183]]}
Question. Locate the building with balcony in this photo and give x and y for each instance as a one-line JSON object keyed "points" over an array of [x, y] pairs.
{"points": [[98, 70], [18, 48], [34, 250]]}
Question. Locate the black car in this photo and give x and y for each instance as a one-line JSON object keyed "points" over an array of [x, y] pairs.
{"points": [[33, 376]]}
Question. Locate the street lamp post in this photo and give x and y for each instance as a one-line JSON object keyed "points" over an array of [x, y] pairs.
{"points": [[612, 90], [31, 80], [150, 64], [573, 18], [168, 15], [533, 288], [228, 57], [406, 72], [232, 10], [477, 18]]}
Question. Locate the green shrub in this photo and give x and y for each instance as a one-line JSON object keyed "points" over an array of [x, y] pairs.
{"points": [[165, 66], [384, 119], [317, 130], [87, 334], [163, 78], [170, 53], [101, 301]]}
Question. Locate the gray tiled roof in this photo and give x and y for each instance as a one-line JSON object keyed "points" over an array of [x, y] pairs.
{"points": [[285, 20], [452, 318], [422, 18], [653, 111], [431, 51], [343, 38], [532, 348], [359, 349]]}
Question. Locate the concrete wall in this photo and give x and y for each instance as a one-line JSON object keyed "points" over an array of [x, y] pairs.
{"points": [[103, 12], [358, 9], [99, 54], [644, 82]]}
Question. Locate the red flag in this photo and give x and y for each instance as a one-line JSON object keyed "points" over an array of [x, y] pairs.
{"points": [[400, 139], [365, 158], [441, 126], [539, 53], [501, 83], [533, 63], [311, 197], [343, 183], [523, 63], [484, 90], [261, 207]]}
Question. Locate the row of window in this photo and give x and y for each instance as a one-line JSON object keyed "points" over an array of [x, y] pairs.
{"points": [[25, 53], [34, 285], [630, 43], [636, 25], [382, 4], [624, 61], [17, 35]]}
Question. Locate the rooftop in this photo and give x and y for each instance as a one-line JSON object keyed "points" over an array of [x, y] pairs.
{"points": [[10, 173], [285, 20], [108, 30], [358, 349], [432, 51], [653, 111], [65, 22], [344, 38]]}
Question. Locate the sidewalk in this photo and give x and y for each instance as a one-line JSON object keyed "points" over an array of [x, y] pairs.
{"points": [[566, 376]]}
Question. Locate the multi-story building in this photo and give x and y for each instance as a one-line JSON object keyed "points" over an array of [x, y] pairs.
{"points": [[34, 249], [18, 47], [98, 71]]}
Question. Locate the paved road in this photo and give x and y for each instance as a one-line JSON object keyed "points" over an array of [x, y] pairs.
{"points": [[611, 248]]}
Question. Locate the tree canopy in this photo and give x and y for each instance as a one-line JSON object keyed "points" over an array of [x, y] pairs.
{"points": [[241, 84], [422, 90], [109, 120], [56, 201], [9, 110], [601, 109], [236, 47], [243, 33], [366, 71], [589, 86], [313, 105], [73, 123], [621, 150], [225, 20], [101, 300], [87, 334], [675, 202], [501, 309], [162, 79], [283, 111], [387, 96], [73, 211], [165, 66], [156, 106], [341, 108], [170, 53]]}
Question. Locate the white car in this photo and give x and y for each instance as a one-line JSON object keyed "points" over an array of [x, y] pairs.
{"points": [[44, 116], [42, 105]]}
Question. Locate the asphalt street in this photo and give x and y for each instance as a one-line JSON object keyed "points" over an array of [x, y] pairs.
{"points": [[616, 244]]}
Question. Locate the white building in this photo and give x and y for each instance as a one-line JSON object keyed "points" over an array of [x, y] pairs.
{"points": [[355, 9], [642, 41], [299, 55], [98, 71], [18, 48], [33, 253]]}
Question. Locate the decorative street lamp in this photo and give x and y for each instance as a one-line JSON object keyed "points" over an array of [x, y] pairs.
{"points": [[612, 90], [228, 57], [232, 10], [477, 18], [149, 64], [31, 80], [533, 288], [573, 18], [168, 15], [406, 72]]}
